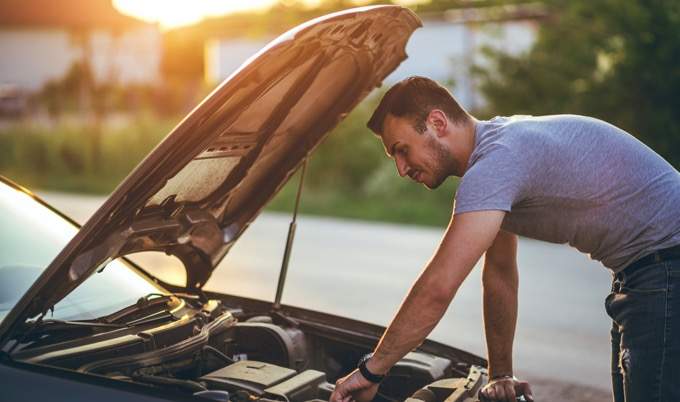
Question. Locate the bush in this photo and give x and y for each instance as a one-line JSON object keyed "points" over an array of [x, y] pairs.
{"points": [[64, 157], [348, 175]]}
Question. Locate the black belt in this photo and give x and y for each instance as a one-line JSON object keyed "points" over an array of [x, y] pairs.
{"points": [[657, 256]]}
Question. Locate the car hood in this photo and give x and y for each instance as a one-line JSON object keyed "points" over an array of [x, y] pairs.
{"points": [[200, 188]]}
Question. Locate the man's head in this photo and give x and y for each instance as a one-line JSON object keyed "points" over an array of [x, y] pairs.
{"points": [[424, 130]]}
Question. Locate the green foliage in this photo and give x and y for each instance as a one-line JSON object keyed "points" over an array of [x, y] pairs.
{"points": [[434, 6], [78, 92], [350, 176], [348, 155], [63, 157], [618, 60]]}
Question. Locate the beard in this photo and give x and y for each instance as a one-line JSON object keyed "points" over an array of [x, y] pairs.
{"points": [[442, 162]]}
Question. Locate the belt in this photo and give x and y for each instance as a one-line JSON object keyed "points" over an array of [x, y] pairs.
{"points": [[657, 256]]}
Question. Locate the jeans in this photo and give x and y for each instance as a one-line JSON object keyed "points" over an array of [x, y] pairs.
{"points": [[645, 308]]}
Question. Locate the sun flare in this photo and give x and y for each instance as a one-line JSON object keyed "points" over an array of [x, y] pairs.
{"points": [[174, 13]]}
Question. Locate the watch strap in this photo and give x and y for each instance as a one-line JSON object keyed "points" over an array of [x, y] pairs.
{"points": [[374, 378]]}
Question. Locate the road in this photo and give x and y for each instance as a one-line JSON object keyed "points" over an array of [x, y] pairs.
{"points": [[363, 270]]}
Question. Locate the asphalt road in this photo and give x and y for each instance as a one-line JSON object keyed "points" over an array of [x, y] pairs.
{"points": [[363, 270]]}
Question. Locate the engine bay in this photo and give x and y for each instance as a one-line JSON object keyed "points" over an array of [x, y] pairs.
{"points": [[226, 353]]}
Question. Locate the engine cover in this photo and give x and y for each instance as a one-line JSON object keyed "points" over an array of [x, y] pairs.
{"points": [[269, 381], [250, 375]]}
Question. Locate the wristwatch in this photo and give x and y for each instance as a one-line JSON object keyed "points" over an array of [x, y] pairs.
{"points": [[374, 378]]}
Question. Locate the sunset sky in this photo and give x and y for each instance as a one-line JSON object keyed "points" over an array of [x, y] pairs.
{"points": [[173, 13]]}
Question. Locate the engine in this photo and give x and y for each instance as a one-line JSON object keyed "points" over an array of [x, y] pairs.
{"points": [[227, 355]]}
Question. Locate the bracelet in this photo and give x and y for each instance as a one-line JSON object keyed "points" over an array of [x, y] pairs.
{"points": [[504, 377]]}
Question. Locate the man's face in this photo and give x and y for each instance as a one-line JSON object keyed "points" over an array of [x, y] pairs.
{"points": [[421, 156]]}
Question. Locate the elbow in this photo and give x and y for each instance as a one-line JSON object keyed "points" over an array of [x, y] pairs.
{"points": [[437, 293], [500, 275]]}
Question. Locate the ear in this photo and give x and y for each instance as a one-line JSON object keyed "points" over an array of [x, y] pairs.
{"points": [[438, 121]]}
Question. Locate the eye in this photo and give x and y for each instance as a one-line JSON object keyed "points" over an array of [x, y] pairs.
{"points": [[403, 151]]}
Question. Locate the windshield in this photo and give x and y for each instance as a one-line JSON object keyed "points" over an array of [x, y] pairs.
{"points": [[31, 236]]}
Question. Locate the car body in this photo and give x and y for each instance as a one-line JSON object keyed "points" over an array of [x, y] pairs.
{"points": [[80, 322]]}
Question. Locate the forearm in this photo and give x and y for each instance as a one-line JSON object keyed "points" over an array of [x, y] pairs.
{"points": [[418, 315], [466, 239], [500, 317]]}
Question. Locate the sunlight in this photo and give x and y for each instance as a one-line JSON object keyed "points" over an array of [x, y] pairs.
{"points": [[174, 13]]}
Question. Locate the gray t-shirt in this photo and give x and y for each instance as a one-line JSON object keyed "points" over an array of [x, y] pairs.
{"points": [[576, 180]]}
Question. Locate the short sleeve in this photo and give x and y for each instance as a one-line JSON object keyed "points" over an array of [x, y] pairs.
{"points": [[493, 181]]}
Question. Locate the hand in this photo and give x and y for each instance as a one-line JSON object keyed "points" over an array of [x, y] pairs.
{"points": [[354, 387], [506, 389]]}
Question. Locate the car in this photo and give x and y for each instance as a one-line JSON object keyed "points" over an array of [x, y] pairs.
{"points": [[80, 322]]}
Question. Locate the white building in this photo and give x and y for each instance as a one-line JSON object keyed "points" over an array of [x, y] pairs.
{"points": [[444, 49], [41, 39], [446, 52]]}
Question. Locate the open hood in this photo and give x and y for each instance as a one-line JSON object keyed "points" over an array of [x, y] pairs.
{"points": [[201, 187]]}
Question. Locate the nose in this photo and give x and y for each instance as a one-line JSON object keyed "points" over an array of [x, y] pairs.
{"points": [[402, 168]]}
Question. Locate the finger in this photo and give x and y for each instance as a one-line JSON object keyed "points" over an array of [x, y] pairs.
{"points": [[525, 389], [340, 391], [500, 393], [509, 391], [491, 393], [339, 394]]}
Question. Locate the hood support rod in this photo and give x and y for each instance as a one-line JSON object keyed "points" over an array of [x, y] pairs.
{"points": [[289, 241]]}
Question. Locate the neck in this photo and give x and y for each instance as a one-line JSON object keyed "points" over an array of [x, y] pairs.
{"points": [[462, 145], [471, 130]]}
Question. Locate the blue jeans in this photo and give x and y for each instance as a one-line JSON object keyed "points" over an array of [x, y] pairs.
{"points": [[645, 308]]}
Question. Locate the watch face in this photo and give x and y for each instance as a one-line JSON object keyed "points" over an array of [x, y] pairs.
{"points": [[365, 358]]}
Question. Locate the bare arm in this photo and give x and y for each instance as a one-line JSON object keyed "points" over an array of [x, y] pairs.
{"points": [[466, 239], [468, 236], [500, 284]]}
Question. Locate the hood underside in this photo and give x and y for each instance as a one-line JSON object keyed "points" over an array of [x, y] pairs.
{"points": [[201, 187]]}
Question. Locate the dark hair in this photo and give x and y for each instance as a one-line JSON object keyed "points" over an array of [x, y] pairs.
{"points": [[415, 97]]}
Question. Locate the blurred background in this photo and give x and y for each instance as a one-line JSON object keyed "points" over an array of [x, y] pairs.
{"points": [[88, 87]]}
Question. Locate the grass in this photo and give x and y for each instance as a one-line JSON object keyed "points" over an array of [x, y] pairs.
{"points": [[348, 176], [77, 157], [422, 207]]}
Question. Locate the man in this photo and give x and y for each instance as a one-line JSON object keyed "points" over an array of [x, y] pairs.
{"points": [[562, 179]]}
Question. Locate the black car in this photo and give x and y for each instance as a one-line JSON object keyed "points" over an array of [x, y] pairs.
{"points": [[79, 322]]}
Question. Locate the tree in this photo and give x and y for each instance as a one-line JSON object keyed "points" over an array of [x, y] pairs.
{"points": [[618, 60]]}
